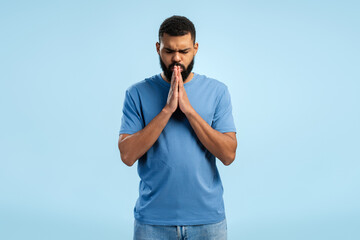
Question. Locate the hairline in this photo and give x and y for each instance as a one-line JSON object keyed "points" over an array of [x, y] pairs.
{"points": [[192, 37]]}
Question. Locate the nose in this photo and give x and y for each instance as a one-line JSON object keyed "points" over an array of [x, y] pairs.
{"points": [[176, 57]]}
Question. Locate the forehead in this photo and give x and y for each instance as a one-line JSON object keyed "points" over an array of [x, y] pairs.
{"points": [[175, 42]]}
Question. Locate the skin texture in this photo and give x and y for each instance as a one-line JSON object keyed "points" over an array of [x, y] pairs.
{"points": [[177, 50], [180, 50]]}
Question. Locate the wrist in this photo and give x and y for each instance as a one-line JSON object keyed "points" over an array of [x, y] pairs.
{"points": [[189, 113], [167, 110]]}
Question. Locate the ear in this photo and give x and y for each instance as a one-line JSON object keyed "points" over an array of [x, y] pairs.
{"points": [[158, 48], [196, 47]]}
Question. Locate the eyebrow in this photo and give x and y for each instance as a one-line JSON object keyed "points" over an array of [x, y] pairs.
{"points": [[181, 50]]}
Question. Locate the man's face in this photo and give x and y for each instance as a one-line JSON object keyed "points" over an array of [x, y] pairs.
{"points": [[176, 51]]}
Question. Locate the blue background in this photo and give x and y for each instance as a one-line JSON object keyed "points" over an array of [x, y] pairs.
{"points": [[292, 68]]}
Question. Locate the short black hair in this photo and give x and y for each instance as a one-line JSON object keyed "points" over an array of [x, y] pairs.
{"points": [[177, 26]]}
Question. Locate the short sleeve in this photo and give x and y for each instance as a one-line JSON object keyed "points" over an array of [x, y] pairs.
{"points": [[223, 120], [131, 121]]}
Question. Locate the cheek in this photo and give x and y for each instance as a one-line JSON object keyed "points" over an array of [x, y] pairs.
{"points": [[166, 59], [188, 60]]}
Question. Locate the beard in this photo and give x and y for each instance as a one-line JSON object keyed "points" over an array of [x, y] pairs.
{"points": [[185, 71]]}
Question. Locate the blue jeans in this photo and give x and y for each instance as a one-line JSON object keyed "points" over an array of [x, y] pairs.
{"points": [[216, 231]]}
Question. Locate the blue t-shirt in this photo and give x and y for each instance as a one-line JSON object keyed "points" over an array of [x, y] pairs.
{"points": [[180, 183]]}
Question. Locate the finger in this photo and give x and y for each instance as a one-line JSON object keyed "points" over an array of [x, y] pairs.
{"points": [[177, 75], [173, 80], [181, 82], [176, 72], [176, 89], [173, 76]]}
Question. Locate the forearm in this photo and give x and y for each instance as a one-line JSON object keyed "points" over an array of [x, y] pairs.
{"points": [[136, 145], [220, 145]]}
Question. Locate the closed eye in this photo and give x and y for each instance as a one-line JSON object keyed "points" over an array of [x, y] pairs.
{"points": [[184, 51]]}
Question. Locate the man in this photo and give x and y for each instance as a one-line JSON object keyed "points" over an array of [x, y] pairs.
{"points": [[176, 123]]}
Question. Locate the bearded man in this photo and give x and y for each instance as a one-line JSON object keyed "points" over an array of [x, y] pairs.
{"points": [[176, 124]]}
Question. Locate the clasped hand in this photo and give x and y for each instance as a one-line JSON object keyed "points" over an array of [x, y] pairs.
{"points": [[177, 96]]}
